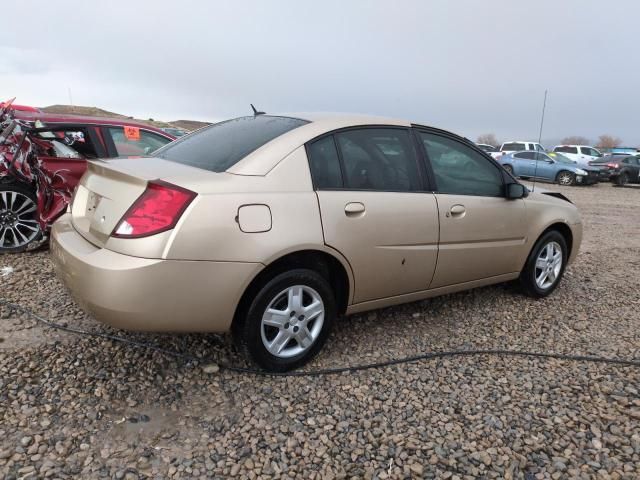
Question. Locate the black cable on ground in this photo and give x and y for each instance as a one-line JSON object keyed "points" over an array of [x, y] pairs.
{"points": [[326, 371]]}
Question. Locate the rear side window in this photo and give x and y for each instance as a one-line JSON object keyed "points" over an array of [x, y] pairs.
{"points": [[514, 147], [325, 164], [382, 159], [135, 141], [461, 170], [525, 155], [566, 149], [224, 144]]}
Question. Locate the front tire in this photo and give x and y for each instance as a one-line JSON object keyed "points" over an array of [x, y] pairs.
{"points": [[288, 321], [566, 178], [545, 265], [19, 225]]}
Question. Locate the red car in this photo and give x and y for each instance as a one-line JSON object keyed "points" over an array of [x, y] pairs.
{"points": [[43, 156]]}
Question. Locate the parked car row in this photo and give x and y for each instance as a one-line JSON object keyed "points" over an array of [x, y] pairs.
{"points": [[551, 167], [43, 156], [567, 164]]}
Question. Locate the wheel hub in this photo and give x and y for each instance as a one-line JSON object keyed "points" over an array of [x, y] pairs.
{"points": [[292, 321]]}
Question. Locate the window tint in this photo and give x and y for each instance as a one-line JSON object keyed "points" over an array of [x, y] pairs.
{"points": [[224, 144], [589, 151], [524, 155], [379, 159], [566, 149], [134, 141], [514, 147], [459, 169], [324, 163]]}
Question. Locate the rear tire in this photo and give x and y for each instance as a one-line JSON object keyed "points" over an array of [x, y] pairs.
{"points": [[19, 225], [566, 178], [545, 266], [288, 321], [622, 179]]}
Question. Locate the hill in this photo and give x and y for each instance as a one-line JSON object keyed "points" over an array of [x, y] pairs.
{"points": [[99, 112]]}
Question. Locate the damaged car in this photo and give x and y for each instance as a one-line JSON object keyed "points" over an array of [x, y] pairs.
{"points": [[43, 156]]}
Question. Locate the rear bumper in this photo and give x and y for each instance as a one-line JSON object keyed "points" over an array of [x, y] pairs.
{"points": [[148, 294]]}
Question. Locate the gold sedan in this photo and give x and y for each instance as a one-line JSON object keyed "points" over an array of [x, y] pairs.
{"points": [[274, 226]]}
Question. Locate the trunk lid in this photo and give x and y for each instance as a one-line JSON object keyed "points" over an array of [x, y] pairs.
{"points": [[109, 188]]}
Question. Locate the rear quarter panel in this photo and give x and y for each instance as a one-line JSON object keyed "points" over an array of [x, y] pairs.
{"points": [[209, 229]]}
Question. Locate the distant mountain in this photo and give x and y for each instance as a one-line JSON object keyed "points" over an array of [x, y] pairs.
{"points": [[99, 112]]}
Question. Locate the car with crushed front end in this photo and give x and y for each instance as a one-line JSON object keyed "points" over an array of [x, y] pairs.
{"points": [[273, 226], [43, 156], [549, 167], [620, 168]]}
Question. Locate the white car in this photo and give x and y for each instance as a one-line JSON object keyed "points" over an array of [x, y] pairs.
{"points": [[517, 146], [583, 154]]}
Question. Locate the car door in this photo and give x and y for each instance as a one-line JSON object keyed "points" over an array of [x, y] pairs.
{"points": [[633, 167], [525, 164], [543, 166], [65, 158], [375, 210], [482, 233]]}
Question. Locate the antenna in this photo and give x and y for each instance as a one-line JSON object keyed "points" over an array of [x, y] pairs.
{"points": [[256, 112], [535, 168]]}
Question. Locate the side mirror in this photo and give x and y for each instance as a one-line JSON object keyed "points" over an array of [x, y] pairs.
{"points": [[515, 191]]}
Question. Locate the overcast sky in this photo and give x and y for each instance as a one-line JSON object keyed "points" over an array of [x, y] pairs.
{"points": [[468, 66]]}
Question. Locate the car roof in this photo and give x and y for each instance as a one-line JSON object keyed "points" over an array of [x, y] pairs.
{"points": [[265, 158], [567, 145], [83, 119]]}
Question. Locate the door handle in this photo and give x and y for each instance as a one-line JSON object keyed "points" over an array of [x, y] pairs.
{"points": [[456, 211], [353, 209]]}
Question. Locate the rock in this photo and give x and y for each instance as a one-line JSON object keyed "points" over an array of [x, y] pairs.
{"points": [[211, 368]]}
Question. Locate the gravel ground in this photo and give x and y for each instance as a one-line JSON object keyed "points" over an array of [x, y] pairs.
{"points": [[73, 406]]}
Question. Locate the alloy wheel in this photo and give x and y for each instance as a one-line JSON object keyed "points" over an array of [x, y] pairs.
{"points": [[292, 321], [548, 265], [18, 226], [565, 178]]}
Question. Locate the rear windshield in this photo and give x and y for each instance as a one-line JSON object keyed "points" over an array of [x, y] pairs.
{"points": [[566, 149], [224, 144], [513, 147]]}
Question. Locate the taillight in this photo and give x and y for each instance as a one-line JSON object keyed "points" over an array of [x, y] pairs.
{"points": [[158, 209], [612, 165]]}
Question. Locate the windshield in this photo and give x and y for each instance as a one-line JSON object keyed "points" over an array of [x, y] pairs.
{"points": [[558, 157], [224, 144]]}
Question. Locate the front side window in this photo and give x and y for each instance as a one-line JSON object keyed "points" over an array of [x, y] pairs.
{"points": [[222, 145], [524, 155], [381, 159], [135, 141], [460, 170]]}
